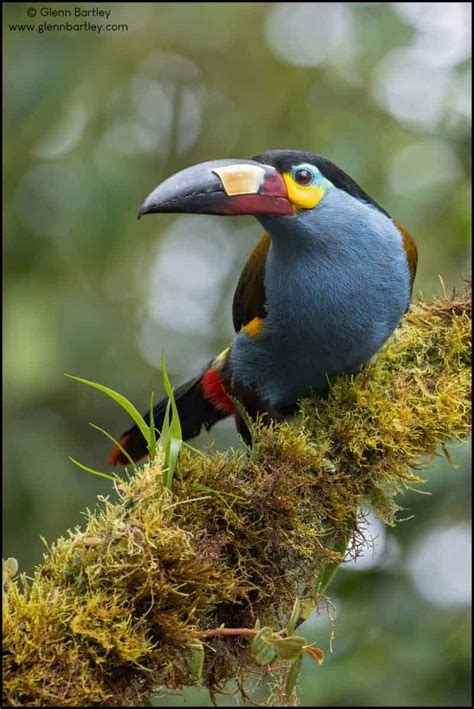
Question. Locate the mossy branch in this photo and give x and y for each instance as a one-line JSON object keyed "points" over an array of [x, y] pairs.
{"points": [[116, 609]]}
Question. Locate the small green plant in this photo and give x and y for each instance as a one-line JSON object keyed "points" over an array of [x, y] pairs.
{"points": [[268, 645], [170, 438]]}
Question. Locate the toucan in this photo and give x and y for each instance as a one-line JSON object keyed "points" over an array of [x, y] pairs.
{"points": [[324, 288]]}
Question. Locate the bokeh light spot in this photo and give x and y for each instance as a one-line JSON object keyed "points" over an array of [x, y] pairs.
{"points": [[65, 134], [440, 565], [191, 263], [309, 34], [409, 88]]}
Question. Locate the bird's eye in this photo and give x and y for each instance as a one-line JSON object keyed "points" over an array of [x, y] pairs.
{"points": [[304, 175]]}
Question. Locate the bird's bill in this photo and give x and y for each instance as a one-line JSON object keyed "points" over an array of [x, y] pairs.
{"points": [[225, 187]]}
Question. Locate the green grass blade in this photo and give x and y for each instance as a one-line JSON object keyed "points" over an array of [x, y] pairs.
{"points": [[122, 401], [92, 471], [165, 439], [175, 424], [165, 429], [172, 459], [195, 450], [171, 438], [115, 442], [152, 428]]}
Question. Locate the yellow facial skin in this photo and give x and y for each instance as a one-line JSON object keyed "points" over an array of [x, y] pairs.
{"points": [[300, 196]]}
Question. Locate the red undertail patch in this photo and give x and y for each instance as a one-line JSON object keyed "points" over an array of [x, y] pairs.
{"points": [[214, 391]]}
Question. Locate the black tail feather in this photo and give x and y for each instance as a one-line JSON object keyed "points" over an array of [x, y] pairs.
{"points": [[194, 410]]}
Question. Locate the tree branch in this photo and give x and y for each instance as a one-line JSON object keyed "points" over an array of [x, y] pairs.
{"points": [[112, 612]]}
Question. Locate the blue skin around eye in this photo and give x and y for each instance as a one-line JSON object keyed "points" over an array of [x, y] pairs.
{"points": [[337, 285], [317, 177]]}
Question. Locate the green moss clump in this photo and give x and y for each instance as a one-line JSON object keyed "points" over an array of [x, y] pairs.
{"points": [[393, 417], [110, 613]]}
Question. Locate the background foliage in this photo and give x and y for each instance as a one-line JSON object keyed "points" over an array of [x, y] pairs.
{"points": [[92, 123]]}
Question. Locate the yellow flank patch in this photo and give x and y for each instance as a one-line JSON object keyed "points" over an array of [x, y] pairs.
{"points": [[254, 327], [300, 196]]}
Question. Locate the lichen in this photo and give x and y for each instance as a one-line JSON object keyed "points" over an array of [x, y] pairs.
{"points": [[111, 613]]}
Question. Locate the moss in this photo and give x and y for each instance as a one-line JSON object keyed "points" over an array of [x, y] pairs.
{"points": [[110, 613]]}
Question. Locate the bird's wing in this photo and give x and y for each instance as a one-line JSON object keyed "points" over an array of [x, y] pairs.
{"points": [[410, 250], [249, 296]]}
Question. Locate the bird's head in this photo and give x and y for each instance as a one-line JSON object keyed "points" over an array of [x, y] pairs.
{"points": [[279, 183], [304, 201]]}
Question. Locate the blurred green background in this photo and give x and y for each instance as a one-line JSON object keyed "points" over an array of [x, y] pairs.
{"points": [[92, 123]]}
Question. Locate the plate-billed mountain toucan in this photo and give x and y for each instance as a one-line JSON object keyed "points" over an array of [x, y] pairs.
{"points": [[324, 288]]}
